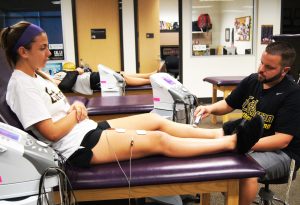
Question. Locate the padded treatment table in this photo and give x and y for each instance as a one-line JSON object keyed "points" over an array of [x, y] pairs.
{"points": [[163, 176], [226, 84], [82, 99], [129, 90], [110, 107]]}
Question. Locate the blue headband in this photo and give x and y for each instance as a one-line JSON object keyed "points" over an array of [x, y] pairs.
{"points": [[30, 32]]}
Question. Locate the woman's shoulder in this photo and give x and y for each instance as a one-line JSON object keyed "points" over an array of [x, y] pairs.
{"points": [[20, 82]]}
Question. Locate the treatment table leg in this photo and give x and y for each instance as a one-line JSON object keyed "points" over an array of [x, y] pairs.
{"points": [[213, 100], [226, 117], [232, 194]]}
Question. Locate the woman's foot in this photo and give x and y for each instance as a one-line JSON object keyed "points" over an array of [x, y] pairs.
{"points": [[162, 67], [248, 133]]}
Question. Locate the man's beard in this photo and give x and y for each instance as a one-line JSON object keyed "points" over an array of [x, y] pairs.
{"points": [[264, 80]]}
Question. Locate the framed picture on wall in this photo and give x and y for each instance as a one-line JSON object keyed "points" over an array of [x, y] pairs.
{"points": [[242, 28], [227, 34], [266, 34]]}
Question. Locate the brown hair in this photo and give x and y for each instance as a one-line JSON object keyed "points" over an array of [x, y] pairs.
{"points": [[8, 39], [283, 49]]}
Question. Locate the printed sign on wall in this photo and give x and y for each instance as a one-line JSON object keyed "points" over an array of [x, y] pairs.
{"points": [[57, 51]]}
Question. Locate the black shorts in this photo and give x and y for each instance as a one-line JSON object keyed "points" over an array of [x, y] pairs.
{"points": [[82, 157], [95, 81]]}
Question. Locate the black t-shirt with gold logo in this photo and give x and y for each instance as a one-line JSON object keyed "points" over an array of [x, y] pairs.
{"points": [[279, 106]]}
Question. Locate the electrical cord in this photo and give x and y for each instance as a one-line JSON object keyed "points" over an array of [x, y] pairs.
{"points": [[67, 196], [128, 179]]}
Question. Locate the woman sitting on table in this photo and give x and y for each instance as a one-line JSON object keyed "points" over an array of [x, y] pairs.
{"points": [[42, 108]]}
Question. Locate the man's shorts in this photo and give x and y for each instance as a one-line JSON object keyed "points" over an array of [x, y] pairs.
{"points": [[82, 157], [275, 163]]}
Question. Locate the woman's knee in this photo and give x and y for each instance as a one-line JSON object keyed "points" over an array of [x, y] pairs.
{"points": [[156, 119], [163, 143]]}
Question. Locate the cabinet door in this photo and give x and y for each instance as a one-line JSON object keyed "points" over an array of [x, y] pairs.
{"points": [[149, 35], [98, 14]]}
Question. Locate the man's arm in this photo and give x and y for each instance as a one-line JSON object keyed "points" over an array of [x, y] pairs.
{"points": [[218, 108], [273, 142]]}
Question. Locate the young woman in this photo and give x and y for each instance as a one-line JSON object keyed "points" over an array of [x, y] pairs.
{"points": [[86, 82], [42, 108]]}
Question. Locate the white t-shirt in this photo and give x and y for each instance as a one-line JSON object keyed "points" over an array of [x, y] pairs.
{"points": [[36, 99], [82, 84]]}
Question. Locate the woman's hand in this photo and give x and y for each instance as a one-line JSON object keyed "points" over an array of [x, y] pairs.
{"points": [[81, 111]]}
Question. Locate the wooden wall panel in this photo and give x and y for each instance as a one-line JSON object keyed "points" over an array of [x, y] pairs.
{"points": [[98, 14], [148, 22]]}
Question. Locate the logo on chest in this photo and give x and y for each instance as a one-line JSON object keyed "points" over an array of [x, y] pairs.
{"points": [[54, 95]]}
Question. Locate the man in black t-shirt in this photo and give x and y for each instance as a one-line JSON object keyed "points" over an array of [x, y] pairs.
{"points": [[272, 94]]}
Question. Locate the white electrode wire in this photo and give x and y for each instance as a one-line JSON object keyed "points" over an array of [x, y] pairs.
{"points": [[130, 159]]}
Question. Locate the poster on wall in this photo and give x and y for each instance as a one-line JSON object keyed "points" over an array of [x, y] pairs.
{"points": [[57, 51], [242, 28], [266, 34]]}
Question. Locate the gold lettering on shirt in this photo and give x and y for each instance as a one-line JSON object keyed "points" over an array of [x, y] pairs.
{"points": [[249, 110]]}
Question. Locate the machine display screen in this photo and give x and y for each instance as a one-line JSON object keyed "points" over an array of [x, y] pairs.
{"points": [[169, 80], [9, 134]]}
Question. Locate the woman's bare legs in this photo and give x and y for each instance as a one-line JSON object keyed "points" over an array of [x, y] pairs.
{"points": [[113, 143], [168, 138], [136, 81], [153, 122], [139, 75]]}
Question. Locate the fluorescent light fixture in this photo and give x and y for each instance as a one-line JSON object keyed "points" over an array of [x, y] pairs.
{"points": [[216, 0], [233, 11], [55, 2], [201, 7], [248, 7]]}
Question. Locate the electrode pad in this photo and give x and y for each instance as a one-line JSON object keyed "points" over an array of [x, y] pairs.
{"points": [[141, 132], [120, 130]]}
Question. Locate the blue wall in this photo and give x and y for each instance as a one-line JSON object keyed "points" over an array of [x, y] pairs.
{"points": [[50, 21]]}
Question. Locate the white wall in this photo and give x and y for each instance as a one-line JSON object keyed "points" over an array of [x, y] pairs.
{"points": [[67, 29], [168, 10], [269, 13], [195, 69], [129, 37]]}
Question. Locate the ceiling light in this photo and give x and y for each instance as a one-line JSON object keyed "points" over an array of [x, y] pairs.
{"points": [[201, 7], [55, 2], [233, 11], [248, 7], [216, 0]]}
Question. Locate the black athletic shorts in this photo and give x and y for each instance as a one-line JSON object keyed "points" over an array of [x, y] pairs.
{"points": [[95, 81], [82, 157]]}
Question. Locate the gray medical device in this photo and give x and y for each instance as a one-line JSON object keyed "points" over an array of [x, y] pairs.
{"points": [[23, 160], [171, 99], [112, 83]]}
